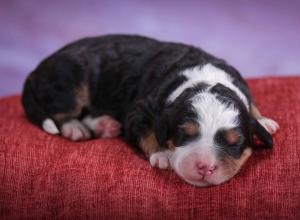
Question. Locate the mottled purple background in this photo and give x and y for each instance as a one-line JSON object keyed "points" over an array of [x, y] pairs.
{"points": [[260, 37]]}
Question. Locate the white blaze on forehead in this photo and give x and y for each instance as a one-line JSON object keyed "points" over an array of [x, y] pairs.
{"points": [[213, 114], [210, 75]]}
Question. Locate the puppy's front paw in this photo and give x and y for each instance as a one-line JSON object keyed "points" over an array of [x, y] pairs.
{"points": [[270, 125], [160, 159]]}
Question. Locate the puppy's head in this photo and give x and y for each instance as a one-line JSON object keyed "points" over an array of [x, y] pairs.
{"points": [[209, 130]]}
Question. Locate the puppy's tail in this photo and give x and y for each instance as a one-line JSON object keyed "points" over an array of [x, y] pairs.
{"points": [[34, 111]]}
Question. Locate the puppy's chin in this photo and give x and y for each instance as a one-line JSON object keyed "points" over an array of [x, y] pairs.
{"points": [[224, 171]]}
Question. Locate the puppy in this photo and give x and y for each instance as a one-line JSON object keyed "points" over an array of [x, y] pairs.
{"points": [[184, 108]]}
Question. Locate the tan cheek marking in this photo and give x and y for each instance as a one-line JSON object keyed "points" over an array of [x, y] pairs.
{"points": [[244, 157], [149, 144], [191, 128], [232, 136], [234, 165]]}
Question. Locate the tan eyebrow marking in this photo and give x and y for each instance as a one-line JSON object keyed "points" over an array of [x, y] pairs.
{"points": [[191, 128], [232, 136]]}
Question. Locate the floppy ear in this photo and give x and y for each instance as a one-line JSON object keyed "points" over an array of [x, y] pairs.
{"points": [[259, 131]]}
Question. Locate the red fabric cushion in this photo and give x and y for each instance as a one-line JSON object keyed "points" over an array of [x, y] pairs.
{"points": [[47, 177]]}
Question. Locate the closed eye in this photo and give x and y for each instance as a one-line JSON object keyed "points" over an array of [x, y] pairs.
{"points": [[187, 132], [229, 137], [230, 142], [190, 128]]}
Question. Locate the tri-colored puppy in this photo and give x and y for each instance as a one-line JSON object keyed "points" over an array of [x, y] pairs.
{"points": [[184, 108]]}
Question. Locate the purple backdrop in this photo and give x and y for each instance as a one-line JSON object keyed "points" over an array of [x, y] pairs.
{"points": [[258, 37]]}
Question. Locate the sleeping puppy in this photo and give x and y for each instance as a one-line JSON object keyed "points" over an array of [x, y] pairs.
{"points": [[182, 107]]}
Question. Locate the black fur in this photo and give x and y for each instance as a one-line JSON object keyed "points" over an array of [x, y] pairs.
{"points": [[129, 78]]}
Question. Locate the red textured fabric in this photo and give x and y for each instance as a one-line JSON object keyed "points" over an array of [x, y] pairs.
{"points": [[48, 177]]}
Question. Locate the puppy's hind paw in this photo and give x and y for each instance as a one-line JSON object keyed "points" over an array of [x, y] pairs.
{"points": [[104, 126], [270, 125], [75, 131]]}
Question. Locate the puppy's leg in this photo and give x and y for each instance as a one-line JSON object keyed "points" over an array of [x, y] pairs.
{"points": [[157, 157], [139, 132], [68, 122], [161, 159], [270, 125], [103, 126]]}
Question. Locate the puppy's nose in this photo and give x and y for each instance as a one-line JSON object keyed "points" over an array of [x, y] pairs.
{"points": [[204, 169]]}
